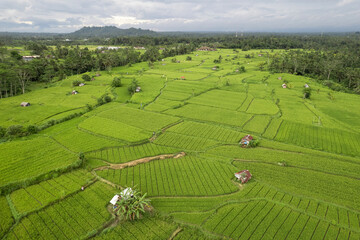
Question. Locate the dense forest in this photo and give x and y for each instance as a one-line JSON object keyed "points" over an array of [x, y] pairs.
{"points": [[330, 58]]}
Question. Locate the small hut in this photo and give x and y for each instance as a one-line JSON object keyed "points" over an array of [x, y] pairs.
{"points": [[74, 92], [246, 140], [138, 89], [244, 176], [25, 104], [114, 201], [284, 85], [279, 78], [81, 84]]}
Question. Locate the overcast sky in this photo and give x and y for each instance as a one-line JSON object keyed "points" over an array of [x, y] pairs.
{"points": [[176, 15]]}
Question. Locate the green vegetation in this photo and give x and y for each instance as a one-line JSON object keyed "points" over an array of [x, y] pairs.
{"points": [[177, 142]]}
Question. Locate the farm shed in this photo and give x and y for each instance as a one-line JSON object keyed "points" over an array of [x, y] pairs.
{"points": [[243, 176], [246, 140], [25, 104], [114, 200]]}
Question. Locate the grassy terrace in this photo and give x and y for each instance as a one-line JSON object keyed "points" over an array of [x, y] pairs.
{"points": [[185, 107]]}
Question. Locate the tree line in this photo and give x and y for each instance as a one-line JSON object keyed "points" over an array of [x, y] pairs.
{"points": [[338, 69], [56, 63]]}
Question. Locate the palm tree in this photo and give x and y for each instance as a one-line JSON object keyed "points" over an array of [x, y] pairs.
{"points": [[133, 206]]}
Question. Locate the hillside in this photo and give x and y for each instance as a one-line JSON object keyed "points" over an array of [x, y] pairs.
{"points": [[109, 31], [305, 170]]}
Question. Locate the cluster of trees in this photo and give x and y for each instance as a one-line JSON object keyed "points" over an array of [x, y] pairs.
{"points": [[340, 69], [56, 63]]}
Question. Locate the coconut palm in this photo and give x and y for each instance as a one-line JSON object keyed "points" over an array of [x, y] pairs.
{"points": [[132, 207]]}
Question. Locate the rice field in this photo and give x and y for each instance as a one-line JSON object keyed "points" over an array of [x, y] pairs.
{"points": [[305, 170]]}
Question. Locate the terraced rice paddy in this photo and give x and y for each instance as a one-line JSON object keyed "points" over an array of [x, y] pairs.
{"points": [[305, 171]]}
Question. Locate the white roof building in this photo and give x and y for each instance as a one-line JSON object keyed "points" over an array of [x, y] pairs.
{"points": [[114, 200]]}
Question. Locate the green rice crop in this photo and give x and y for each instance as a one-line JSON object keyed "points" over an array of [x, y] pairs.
{"points": [[23, 159]]}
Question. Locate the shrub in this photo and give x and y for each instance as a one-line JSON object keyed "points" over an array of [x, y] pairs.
{"points": [[76, 83], [86, 77], [116, 82], [188, 58], [15, 130], [307, 92], [253, 143], [132, 86], [107, 99], [2, 132], [31, 129]]}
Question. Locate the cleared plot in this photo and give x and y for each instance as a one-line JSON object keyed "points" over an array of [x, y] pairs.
{"points": [[207, 131], [257, 124], [220, 99], [23, 159], [184, 142], [146, 228], [6, 218], [310, 183], [114, 129], [40, 195], [262, 106], [211, 114], [273, 127], [187, 176], [129, 153], [327, 139], [72, 218], [139, 118]]}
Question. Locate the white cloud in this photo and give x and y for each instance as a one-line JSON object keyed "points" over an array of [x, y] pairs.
{"points": [[176, 15]]}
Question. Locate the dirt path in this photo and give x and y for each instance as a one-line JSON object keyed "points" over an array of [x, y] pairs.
{"points": [[141, 160], [173, 235]]}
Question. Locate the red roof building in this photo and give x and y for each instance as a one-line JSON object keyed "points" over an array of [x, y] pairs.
{"points": [[243, 176]]}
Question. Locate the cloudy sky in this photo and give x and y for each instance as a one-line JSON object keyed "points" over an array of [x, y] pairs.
{"points": [[187, 15]]}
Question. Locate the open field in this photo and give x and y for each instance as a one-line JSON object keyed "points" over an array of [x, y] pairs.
{"points": [[178, 141]]}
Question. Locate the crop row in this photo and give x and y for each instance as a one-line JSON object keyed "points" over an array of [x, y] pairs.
{"points": [[207, 131], [139, 118], [80, 141], [184, 142], [307, 182], [331, 164], [146, 228], [263, 219], [331, 140], [24, 159], [190, 87], [273, 127], [129, 153], [211, 114], [257, 124], [6, 218], [262, 106], [245, 105], [40, 195], [187, 176], [71, 218], [114, 129], [220, 98]]}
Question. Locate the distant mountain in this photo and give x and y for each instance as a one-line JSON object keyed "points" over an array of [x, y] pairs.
{"points": [[109, 31]]}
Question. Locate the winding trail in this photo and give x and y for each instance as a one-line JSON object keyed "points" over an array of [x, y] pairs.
{"points": [[139, 161]]}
